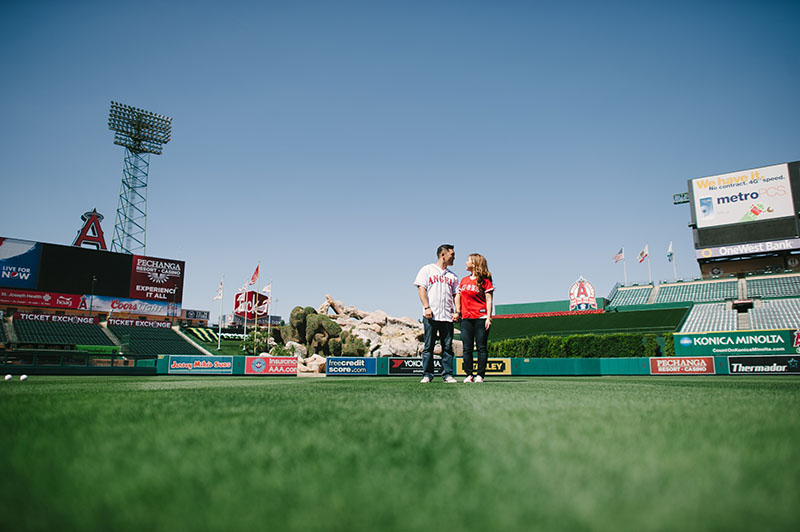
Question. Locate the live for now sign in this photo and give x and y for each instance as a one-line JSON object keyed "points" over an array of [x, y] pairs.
{"points": [[777, 342]]}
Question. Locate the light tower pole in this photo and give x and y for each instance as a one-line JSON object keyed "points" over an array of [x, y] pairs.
{"points": [[141, 133]]}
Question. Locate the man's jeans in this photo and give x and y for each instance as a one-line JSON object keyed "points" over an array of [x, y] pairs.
{"points": [[444, 331]]}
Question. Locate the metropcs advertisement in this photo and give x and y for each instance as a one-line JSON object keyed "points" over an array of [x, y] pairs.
{"points": [[777, 342], [741, 197]]}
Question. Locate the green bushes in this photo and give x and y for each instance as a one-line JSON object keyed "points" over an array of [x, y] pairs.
{"points": [[581, 346]]}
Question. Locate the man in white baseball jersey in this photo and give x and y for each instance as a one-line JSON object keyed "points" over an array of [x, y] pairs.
{"points": [[437, 286]]}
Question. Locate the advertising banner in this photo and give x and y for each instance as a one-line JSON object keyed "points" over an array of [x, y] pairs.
{"points": [[54, 318], [270, 366], [154, 279], [140, 323], [771, 246], [412, 366], [200, 365], [29, 298], [133, 306], [777, 342], [351, 366], [764, 365], [249, 305], [743, 197], [195, 314], [494, 366], [682, 366], [19, 263]]}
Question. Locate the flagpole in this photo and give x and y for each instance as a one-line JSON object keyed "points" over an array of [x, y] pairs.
{"points": [[255, 316], [625, 270], [219, 325], [269, 319], [244, 304], [650, 273]]}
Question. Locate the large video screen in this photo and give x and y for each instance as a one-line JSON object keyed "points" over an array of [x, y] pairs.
{"points": [[70, 269], [748, 206], [743, 197]]}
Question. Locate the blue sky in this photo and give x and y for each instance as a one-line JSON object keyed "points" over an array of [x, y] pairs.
{"points": [[339, 143]]}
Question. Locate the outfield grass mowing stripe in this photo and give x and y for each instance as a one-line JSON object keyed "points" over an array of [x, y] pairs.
{"points": [[611, 453]]}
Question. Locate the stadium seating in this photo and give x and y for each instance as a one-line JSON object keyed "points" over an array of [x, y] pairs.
{"points": [[45, 332], [637, 295], [776, 314], [784, 286], [3, 336], [710, 317], [698, 292], [151, 341]]}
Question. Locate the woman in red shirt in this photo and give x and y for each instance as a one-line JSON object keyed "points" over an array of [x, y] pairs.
{"points": [[474, 298]]}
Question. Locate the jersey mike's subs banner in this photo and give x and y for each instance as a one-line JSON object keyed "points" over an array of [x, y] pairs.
{"points": [[19, 263], [155, 279], [682, 366], [743, 197], [494, 366], [200, 365], [270, 366], [351, 366]]}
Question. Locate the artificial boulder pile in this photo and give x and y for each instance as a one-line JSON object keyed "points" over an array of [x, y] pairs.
{"points": [[334, 329]]}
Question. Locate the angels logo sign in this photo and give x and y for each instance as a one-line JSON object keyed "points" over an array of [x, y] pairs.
{"points": [[796, 340], [582, 295]]}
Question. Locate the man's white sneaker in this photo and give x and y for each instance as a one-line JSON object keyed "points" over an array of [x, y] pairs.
{"points": [[478, 379], [425, 380], [468, 379], [449, 379]]}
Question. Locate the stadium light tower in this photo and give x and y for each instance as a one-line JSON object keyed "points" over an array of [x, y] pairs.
{"points": [[141, 133]]}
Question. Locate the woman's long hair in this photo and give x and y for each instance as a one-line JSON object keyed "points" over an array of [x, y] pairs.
{"points": [[480, 270]]}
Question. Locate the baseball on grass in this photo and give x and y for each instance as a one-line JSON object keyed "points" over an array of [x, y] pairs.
{"points": [[9, 377], [23, 377]]}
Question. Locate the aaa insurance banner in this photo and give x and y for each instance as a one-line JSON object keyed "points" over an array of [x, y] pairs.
{"points": [[741, 197]]}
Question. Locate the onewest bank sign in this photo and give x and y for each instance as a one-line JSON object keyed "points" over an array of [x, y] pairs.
{"points": [[777, 342], [771, 246]]}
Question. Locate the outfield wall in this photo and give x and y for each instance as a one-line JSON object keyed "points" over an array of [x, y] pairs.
{"points": [[497, 367]]}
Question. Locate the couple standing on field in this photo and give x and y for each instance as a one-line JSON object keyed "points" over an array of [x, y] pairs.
{"points": [[443, 300]]}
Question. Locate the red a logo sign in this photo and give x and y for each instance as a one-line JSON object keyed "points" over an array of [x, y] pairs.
{"points": [[91, 234]]}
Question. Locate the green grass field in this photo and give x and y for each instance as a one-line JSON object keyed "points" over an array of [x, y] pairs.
{"points": [[348, 454]]}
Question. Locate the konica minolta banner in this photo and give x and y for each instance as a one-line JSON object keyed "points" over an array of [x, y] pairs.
{"points": [[777, 342], [351, 366]]}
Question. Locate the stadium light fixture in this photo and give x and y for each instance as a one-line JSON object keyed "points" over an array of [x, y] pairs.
{"points": [[141, 133]]}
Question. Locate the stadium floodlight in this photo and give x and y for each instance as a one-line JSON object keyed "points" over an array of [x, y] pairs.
{"points": [[141, 133]]}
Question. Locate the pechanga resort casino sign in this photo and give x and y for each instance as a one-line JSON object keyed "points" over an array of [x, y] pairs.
{"points": [[582, 295]]}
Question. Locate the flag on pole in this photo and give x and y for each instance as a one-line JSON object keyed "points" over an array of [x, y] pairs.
{"points": [[254, 278], [267, 289], [243, 288], [620, 255], [219, 290], [669, 252], [643, 254]]}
